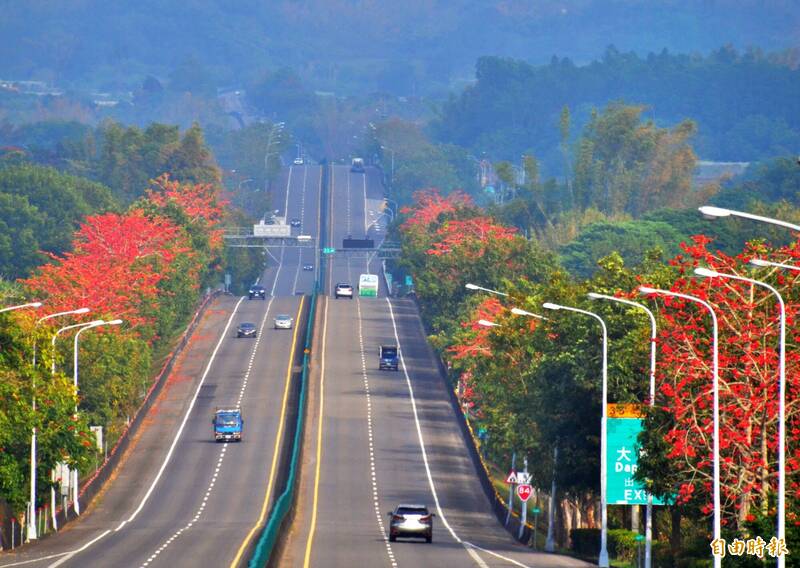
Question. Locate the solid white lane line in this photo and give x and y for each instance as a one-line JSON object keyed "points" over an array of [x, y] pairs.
{"points": [[365, 378], [467, 545], [364, 183], [175, 440], [302, 225], [286, 204], [349, 228], [84, 547], [221, 456]]}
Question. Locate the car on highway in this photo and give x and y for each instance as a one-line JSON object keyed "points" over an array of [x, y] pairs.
{"points": [[308, 267], [295, 222], [411, 521], [343, 291], [256, 291], [283, 321], [298, 161], [246, 329]]}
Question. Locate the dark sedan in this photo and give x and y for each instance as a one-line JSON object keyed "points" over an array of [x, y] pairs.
{"points": [[246, 330]]}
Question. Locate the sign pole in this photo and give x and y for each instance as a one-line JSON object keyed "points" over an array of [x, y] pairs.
{"points": [[549, 543], [524, 505], [536, 511], [511, 489]]}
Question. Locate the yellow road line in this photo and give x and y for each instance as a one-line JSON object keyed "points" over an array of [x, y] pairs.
{"points": [[313, 526], [278, 436]]}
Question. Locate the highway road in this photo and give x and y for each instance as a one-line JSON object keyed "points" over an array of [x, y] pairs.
{"points": [[179, 498], [376, 439]]}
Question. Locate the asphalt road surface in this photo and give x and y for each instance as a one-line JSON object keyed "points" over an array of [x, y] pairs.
{"points": [[376, 439], [179, 498]]}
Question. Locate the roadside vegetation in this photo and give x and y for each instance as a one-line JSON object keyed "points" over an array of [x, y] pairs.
{"points": [[626, 216], [144, 249]]}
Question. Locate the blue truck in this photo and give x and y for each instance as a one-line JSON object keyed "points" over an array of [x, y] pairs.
{"points": [[388, 358], [228, 425]]}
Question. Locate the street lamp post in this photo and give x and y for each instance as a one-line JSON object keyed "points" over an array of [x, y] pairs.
{"points": [[21, 306], [549, 543], [711, 212], [31, 507], [715, 354], [277, 128], [391, 178], [470, 286], [648, 531], [31, 532], [75, 384], [781, 402], [603, 559]]}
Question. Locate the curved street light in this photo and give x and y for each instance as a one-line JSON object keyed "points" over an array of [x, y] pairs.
{"points": [[711, 212], [715, 354], [31, 529], [648, 547], [470, 286], [603, 559], [91, 325], [21, 306]]}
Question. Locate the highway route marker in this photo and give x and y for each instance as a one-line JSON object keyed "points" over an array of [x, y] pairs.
{"points": [[524, 492]]}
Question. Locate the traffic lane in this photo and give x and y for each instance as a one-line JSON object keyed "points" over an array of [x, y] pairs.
{"points": [[141, 461], [400, 466], [347, 532], [238, 493], [175, 499], [279, 190], [455, 478], [309, 217]]}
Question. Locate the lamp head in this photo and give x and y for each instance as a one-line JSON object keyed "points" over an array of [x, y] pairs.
{"points": [[707, 272], [595, 295], [711, 212], [114, 322], [81, 311], [470, 286], [487, 323], [647, 290], [36, 304], [759, 262], [551, 306], [519, 312]]}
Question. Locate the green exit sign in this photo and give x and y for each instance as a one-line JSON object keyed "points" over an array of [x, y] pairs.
{"points": [[328, 250]]}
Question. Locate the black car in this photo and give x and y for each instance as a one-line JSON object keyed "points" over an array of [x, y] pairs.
{"points": [[257, 292], [411, 521], [295, 222], [246, 330]]}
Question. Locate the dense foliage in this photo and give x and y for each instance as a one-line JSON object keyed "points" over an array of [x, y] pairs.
{"points": [[533, 384], [39, 210], [745, 104]]}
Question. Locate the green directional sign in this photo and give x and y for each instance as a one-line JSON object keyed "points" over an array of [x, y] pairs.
{"points": [[622, 456], [328, 250]]}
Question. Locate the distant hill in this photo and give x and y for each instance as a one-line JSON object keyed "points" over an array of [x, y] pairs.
{"points": [[408, 47]]}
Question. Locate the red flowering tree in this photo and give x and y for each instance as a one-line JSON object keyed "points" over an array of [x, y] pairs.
{"points": [[115, 267], [748, 379], [201, 203]]}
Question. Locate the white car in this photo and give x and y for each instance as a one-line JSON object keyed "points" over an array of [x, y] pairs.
{"points": [[343, 291], [283, 321], [298, 161]]}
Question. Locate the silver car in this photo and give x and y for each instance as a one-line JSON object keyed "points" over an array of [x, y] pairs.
{"points": [[411, 521], [283, 321]]}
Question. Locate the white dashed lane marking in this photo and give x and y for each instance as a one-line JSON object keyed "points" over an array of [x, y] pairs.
{"points": [[221, 457]]}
